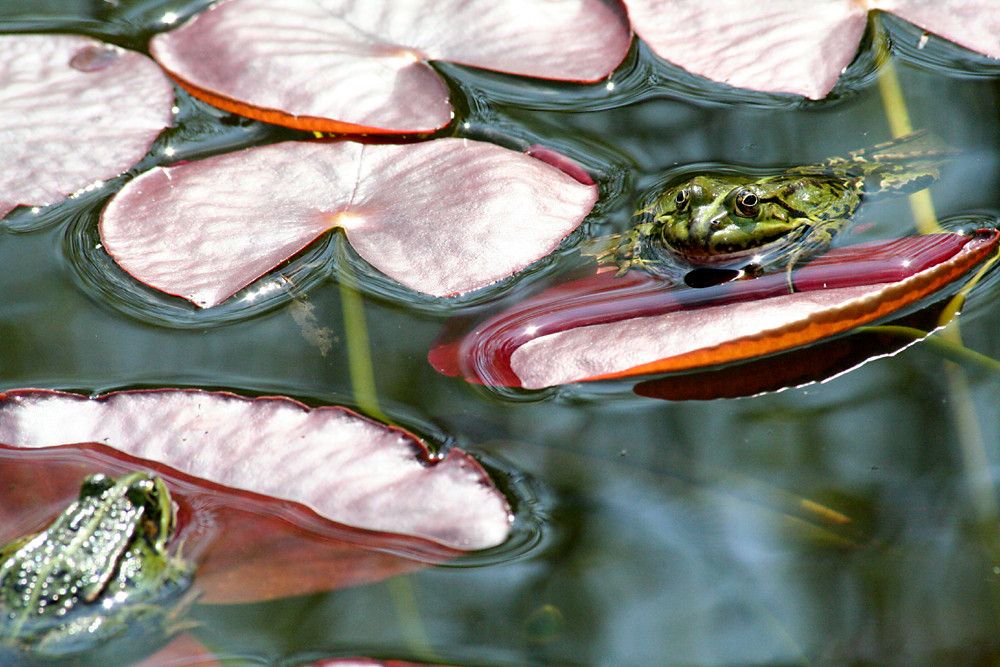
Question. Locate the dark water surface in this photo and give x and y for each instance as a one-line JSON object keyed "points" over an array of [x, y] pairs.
{"points": [[853, 521]]}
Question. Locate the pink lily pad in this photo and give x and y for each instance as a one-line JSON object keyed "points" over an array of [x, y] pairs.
{"points": [[777, 46], [73, 112], [791, 46], [603, 327], [239, 542], [799, 366], [443, 217], [344, 467], [974, 24], [361, 65]]}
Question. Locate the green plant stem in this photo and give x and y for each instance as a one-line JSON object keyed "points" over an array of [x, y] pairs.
{"points": [[899, 125], [359, 357], [972, 449], [408, 612], [943, 345], [359, 360]]}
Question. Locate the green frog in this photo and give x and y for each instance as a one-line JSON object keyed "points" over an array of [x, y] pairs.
{"points": [[758, 223], [100, 571]]}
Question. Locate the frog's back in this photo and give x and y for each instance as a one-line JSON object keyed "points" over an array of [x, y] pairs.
{"points": [[99, 571], [901, 166], [38, 579]]}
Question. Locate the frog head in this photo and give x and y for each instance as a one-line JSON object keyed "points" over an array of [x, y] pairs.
{"points": [[754, 222], [720, 219], [146, 493], [99, 572]]}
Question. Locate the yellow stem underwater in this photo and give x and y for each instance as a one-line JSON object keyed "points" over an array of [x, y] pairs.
{"points": [[899, 125], [975, 460]]}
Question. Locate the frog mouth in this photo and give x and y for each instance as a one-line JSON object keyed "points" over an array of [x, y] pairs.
{"points": [[758, 254]]}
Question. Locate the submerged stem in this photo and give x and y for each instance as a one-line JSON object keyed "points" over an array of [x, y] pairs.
{"points": [[408, 611], [975, 459], [899, 125], [359, 361], [359, 357], [944, 346]]}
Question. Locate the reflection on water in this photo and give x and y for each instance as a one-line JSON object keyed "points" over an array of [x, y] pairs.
{"points": [[832, 524]]}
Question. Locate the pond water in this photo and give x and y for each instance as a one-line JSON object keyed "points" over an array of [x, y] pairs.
{"points": [[853, 521]]}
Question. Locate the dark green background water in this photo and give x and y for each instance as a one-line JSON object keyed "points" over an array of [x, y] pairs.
{"points": [[655, 532]]}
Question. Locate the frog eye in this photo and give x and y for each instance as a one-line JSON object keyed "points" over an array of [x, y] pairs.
{"points": [[141, 492], [747, 204], [95, 485], [682, 198]]}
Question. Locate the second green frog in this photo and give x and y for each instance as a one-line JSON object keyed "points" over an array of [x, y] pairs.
{"points": [[101, 571], [756, 224]]}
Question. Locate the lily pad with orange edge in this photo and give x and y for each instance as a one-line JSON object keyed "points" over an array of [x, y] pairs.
{"points": [[601, 327], [351, 66]]}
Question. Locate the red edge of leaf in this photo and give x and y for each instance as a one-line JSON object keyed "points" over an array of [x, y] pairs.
{"points": [[562, 162], [236, 538], [826, 323], [483, 355], [277, 117], [292, 510]]}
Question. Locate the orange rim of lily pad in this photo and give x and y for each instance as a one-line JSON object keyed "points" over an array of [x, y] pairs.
{"points": [[276, 117], [600, 327], [829, 322]]}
